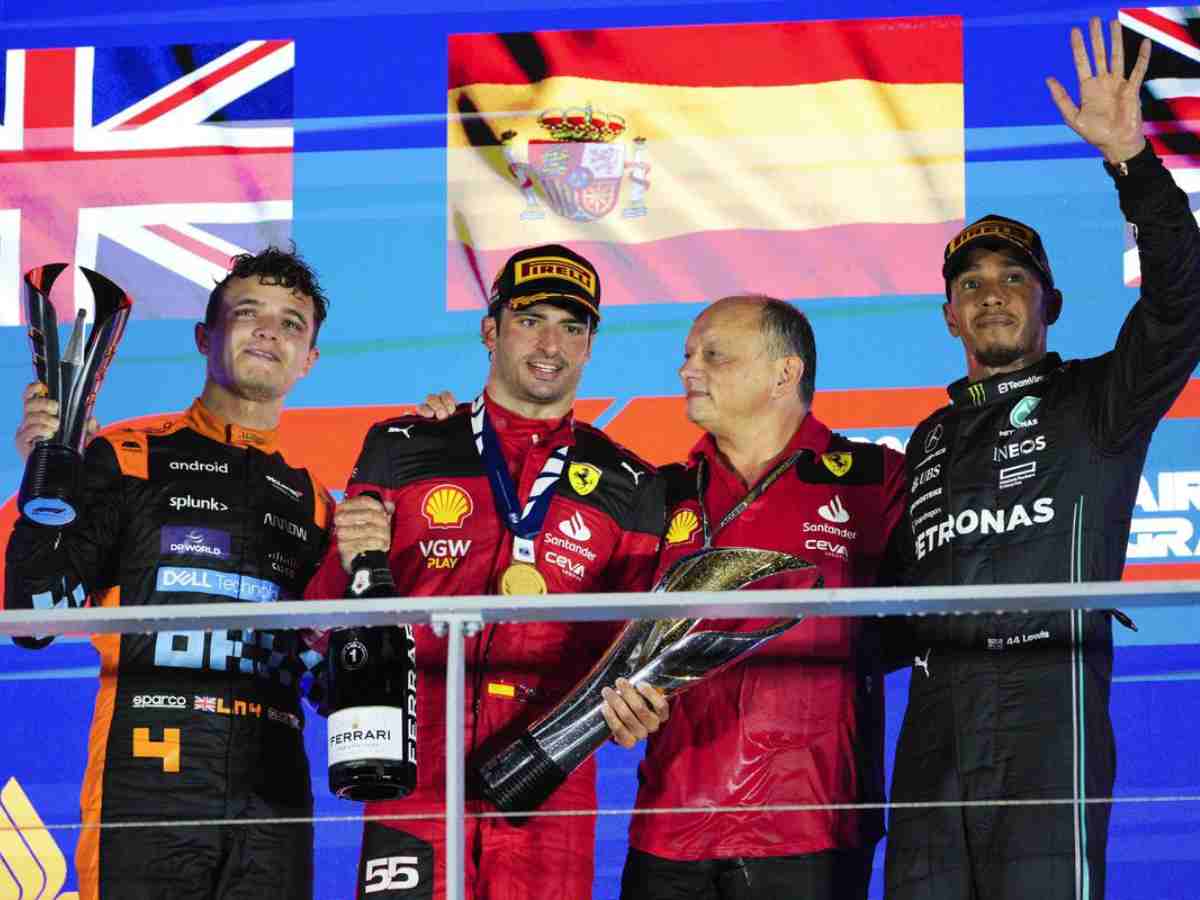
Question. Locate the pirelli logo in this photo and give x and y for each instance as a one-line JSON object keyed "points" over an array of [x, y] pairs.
{"points": [[28, 851], [555, 267], [1010, 230]]}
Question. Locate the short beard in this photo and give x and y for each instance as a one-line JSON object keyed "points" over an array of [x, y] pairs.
{"points": [[998, 357]]}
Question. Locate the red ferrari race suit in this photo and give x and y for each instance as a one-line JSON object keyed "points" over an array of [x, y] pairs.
{"points": [[799, 721], [601, 533], [188, 724]]}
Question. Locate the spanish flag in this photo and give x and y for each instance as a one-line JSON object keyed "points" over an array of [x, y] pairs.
{"points": [[797, 159]]}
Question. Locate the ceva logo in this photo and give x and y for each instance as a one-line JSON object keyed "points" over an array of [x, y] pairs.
{"points": [[33, 859]]}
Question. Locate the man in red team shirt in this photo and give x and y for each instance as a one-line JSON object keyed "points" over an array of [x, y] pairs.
{"points": [[799, 722], [589, 518]]}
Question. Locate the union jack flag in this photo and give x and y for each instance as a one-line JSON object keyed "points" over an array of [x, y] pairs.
{"points": [[1170, 98], [151, 165], [205, 704]]}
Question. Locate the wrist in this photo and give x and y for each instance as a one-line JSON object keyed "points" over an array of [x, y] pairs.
{"points": [[1117, 154]]}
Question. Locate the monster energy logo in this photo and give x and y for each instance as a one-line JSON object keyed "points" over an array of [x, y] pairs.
{"points": [[977, 394]]}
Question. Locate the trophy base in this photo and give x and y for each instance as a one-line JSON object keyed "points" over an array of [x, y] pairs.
{"points": [[521, 778], [50, 485]]}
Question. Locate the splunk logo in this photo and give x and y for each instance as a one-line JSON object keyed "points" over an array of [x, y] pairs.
{"points": [[32, 859], [984, 521], [212, 504]]}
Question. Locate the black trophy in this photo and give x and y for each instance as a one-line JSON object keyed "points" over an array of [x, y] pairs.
{"points": [[670, 654], [49, 490], [372, 728]]}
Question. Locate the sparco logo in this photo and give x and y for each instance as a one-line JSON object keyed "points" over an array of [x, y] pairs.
{"points": [[211, 503], [286, 526], [985, 521], [195, 465], [159, 701]]}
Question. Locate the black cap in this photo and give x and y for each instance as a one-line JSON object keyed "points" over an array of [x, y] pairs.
{"points": [[547, 274], [997, 233]]}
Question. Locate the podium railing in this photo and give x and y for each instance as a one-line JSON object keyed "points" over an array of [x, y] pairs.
{"points": [[457, 617]]}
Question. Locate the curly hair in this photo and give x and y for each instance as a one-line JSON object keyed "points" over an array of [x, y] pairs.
{"points": [[273, 266]]}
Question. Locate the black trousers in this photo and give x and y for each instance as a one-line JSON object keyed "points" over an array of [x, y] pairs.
{"points": [[829, 875]]}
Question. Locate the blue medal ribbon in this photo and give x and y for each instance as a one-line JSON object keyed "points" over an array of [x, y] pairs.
{"points": [[525, 525]]}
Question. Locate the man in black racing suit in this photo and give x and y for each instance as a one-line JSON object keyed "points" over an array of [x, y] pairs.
{"points": [[191, 725], [1030, 475]]}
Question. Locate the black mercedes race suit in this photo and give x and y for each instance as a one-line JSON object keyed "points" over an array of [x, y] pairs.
{"points": [[188, 725], [1031, 476]]}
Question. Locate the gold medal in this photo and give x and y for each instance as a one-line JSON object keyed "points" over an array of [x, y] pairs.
{"points": [[522, 578]]}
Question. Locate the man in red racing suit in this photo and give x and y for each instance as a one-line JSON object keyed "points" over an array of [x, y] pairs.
{"points": [[799, 721], [600, 532]]}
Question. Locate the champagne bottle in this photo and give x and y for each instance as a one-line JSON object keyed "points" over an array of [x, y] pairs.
{"points": [[372, 697]]}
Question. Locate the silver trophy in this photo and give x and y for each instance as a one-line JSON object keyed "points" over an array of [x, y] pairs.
{"points": [[670, 654], [49, 490]]}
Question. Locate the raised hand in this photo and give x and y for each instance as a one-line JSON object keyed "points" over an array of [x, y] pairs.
{"points": [[1109, 114]]}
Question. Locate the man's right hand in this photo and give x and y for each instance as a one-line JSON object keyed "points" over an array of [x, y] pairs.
{"points": [[360, 524], [39, 420], [437, 406]]}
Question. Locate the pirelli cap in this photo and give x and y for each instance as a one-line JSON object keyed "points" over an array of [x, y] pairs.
{"points": [[997, 233], [550, 273]]}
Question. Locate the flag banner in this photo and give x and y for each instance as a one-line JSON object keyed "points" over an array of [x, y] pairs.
{"points": [[151, 165], [799, 159], [1170, 99]]}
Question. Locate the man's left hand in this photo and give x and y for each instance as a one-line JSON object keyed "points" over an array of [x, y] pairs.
{"points": [[1109, 114], [633, 713]]}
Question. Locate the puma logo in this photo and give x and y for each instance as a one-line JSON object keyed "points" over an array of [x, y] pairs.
{"points": [[636, 473], [923, 664]]}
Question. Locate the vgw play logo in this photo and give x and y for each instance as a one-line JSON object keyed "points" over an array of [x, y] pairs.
{"points": [[32, 867]]}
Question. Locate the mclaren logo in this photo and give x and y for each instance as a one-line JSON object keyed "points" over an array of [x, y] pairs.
{"points": [[838, 463], [28, 853], [683, 525], [583, 477], [447, 506]]}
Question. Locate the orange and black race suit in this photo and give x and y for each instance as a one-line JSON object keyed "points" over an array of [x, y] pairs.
{"points": [[188, 725], [601, 533]]}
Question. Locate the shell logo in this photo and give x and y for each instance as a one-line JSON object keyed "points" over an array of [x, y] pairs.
{"points": [[683, 525], [447, 506]]}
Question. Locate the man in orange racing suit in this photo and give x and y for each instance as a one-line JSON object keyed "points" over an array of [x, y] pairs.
{"points": [[203, 509]]}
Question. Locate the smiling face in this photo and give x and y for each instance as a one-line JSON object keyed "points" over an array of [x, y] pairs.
{"points": [[538, 355], [998, 309], [260, 343]]}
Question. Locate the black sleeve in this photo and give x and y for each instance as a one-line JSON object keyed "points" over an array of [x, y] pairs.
{"points": [[1159, 345], [48, 568]]}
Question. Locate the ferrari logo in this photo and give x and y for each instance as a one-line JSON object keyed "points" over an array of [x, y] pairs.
{"points": [[838, 463], [583, 477]]}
